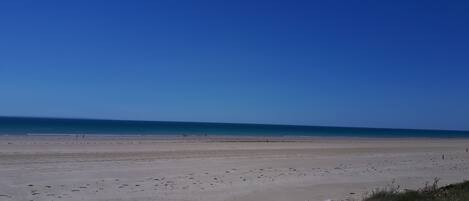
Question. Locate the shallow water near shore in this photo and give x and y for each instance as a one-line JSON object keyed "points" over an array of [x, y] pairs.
{"points": [[58, 126]]}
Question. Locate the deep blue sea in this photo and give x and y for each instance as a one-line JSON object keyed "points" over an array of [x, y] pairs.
{"points": [[30, 126]]}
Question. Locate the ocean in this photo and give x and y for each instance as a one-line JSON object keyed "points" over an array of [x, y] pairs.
{"points": [[53, 126]]}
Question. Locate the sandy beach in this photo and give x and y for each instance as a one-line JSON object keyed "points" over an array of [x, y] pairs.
{"points": [[56, 168]]}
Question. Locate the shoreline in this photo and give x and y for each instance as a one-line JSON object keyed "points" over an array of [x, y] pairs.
{"points": [[253, 138]]}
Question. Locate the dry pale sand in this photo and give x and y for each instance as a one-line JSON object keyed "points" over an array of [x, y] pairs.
{"points": [[109, 168]]}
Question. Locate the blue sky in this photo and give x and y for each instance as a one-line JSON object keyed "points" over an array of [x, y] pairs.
{"points": [[400, 64]]}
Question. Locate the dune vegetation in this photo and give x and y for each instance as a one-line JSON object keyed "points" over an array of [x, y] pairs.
{"points": [[453, 192]]}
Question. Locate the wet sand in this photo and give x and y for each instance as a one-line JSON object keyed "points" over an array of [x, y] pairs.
{"points": [[210, 169]]}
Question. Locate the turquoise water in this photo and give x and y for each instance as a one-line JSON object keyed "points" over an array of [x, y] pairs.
{"points": [[24, 125]]}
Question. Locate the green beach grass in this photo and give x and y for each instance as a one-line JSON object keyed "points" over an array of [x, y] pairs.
{"points": [[453, 192]]}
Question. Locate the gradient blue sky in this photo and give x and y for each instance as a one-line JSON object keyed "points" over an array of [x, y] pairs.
{"points": [[401, 64]]}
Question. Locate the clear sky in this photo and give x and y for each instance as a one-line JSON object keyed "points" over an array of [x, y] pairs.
{"points": [[401, 64]]}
